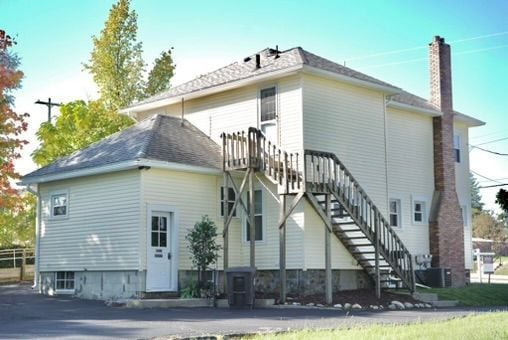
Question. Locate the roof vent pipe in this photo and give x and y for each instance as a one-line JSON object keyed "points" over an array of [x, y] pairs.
{"points": [[258, 61]]}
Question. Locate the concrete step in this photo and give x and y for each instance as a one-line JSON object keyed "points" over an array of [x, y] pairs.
{"points": [[178, 303], [445, 303], [426, 297]]}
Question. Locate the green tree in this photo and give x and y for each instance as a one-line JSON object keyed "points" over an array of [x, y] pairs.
{"points": [[487, 226], [476, 198], [116, 62], [203, 247], [502, 199], [79, 125], [160, 75], [17, 224]]}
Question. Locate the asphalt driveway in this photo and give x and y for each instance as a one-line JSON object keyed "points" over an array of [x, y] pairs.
{"points": [[26, 314]]}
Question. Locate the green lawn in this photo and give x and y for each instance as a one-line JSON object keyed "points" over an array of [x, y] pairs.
{"points": [[475, 294], [503, 270], [486, 326]]}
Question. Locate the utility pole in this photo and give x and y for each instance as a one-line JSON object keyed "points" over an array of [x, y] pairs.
{"points": [[49, 104]]}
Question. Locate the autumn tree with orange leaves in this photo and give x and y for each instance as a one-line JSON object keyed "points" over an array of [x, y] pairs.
{"points": [[12, 125]]}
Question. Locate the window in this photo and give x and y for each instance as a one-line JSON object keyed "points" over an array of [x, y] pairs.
{"points": [[456, 148], [159, 231], [463, 211], [231, 201], [64, 280], [258, 215], [268, 105], [419, 212], [395, 213], [59, 205]]}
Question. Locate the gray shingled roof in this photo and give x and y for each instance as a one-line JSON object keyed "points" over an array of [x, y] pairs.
{"points": [[410, 99], [246, 69], [159, 138]]}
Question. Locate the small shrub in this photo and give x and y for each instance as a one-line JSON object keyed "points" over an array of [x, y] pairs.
{"points": [[203, 247]]}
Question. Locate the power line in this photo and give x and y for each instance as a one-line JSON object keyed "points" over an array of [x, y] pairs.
{"points": [[493, 186], [492, 141], [490, 179], [379, 54], [489, 151], [424, 59], [497, 179]]}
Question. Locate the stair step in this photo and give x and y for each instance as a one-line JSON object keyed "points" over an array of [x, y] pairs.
{"points": [[353, 238], [363, 252], [380, 266], [343, 231], [360, 245]]}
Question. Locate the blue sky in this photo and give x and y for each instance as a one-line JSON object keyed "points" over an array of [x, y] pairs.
{"points": [[54, 39]]}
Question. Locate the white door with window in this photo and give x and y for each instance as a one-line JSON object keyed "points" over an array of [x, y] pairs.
{"points": [[159, 253]]}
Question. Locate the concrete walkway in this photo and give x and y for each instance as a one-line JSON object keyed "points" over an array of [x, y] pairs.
{"points": [[25, 314], [493, 278]]}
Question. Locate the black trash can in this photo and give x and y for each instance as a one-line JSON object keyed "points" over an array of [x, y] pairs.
{"points": [[240, 287]]}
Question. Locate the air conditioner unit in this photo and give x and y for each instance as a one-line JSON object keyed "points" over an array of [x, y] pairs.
{"points": [[438, 277]]}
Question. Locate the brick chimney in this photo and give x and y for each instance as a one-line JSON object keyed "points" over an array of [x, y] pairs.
{"points": [[445, 222]]}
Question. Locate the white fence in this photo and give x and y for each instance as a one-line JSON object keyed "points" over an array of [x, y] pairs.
{"points": [[16, 264]]}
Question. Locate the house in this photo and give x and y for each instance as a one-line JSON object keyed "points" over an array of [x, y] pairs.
{"points": [[346, 179]]}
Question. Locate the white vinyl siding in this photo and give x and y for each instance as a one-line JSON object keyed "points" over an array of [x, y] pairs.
{"points": [[463, 190], [410, 154], [238, 109], [101, 230], [348, 121]]}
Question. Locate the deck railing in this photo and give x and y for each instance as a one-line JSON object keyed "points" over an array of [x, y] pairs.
{"points": [[253, 150]]}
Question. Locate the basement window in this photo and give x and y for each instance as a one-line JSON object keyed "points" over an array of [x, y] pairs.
{"points": [[230, 201], [395, 213], [456, 148], [64, 281], [258, 216]]}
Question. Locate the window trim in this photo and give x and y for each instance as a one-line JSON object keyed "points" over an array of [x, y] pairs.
{"points": [[399, 213], [263, 220], [65, 290], [221, 212], [457, 147], [425, 218], [274, 121], [51, 210]]}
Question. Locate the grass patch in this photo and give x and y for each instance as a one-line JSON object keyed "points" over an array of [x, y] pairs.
{"points": [[474, 295], [486, 326]]}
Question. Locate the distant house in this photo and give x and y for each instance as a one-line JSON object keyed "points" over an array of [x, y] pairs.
{"points": [[344, 177]]}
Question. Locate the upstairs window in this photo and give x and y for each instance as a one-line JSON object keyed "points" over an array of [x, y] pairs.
{"points": [[456, 148], [59, 205], [268, 107], [230, 201], [258, 216], [395, 213]]}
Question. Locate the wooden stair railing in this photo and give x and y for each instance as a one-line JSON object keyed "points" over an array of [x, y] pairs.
{"points": [[326, 173], [322, 173]]}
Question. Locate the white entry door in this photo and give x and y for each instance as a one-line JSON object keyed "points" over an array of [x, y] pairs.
{"points": [[159, 256]]}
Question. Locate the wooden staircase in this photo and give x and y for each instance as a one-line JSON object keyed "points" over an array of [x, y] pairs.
{"points": [[354, 218]]}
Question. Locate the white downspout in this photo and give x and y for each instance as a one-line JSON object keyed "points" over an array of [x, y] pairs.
{"points": [[37, 234]]}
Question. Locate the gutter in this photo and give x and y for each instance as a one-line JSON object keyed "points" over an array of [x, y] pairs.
{"points": [[407, 107], [36, 284], [128, 165]]}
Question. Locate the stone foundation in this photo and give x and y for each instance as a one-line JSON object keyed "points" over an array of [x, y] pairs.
{"points": [[299, 282], [98, 285]]}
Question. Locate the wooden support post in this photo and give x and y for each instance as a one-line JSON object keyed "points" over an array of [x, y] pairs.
{"points": [[328, 254], [282, 248], [252, 220], [376, 250], [23, 266], [225, 234]]}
